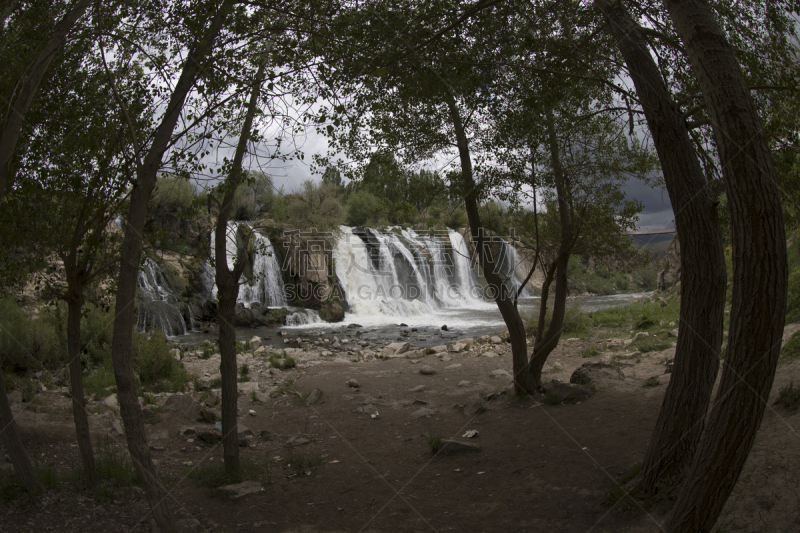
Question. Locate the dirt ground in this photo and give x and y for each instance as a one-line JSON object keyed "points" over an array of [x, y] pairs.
{"points": [[540, 467]]}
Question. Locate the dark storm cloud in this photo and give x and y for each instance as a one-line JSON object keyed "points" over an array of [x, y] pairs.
{"points": [[657, 212]]}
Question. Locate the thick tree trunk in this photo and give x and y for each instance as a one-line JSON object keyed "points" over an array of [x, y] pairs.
{"points": [[16, 115], [680, 422], [131, 253], [760, 270], [75, 304], [13, 444], [523, 381]]}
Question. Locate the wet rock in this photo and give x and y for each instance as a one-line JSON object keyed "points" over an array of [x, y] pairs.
{"points": [[427, 371], [240, 490], [445, 328], [331, 312]]}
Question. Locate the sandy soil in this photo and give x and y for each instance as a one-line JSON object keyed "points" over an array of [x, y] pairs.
{"points": [[540, 467]]}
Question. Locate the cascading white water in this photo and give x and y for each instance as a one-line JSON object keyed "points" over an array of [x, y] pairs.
{"points": [[468, 282], [303, 317], [266, 287], [158, 305], [405, 277], [512, 256]]}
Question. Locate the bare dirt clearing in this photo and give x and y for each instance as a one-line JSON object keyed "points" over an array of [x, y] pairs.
{"points": [[540, 467]]}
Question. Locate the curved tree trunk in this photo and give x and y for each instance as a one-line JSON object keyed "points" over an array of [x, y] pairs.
{"points": [[547, 342], [131, 253], [228, 289], [680, 422], [74, 305], [13, 444], [760, 270], [523, 380]]}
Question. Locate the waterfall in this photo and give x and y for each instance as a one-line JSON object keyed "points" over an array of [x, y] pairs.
{"points": [[303, 317], [158, 305], [512, 260], [402, 274], [266, 286]]}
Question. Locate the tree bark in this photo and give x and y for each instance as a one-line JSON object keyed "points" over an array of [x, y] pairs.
{"points": [[228, 290], [523, 379], [74, 306], [547, 342], [16, 116], [760, 271], [129, 267], [680, 422], [13, 444]]}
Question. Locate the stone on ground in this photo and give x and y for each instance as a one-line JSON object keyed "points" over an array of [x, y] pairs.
{"points": [[427, 371], [595, 373], [239, 490], [449, 447]]}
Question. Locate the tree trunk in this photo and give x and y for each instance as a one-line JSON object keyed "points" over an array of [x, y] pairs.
{"points": [[228, 289], [760, 270], [16, 115], [680, 421], [547, 342], [523, 382], [13, 444], [74, 304], [131, 253]]}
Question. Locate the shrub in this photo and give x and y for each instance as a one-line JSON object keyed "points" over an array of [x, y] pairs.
{"points": [[158, 370], [433, 441], [652, 382], [789, 397], [591, 351], [791, 350], [28, 344], [362, 207]]}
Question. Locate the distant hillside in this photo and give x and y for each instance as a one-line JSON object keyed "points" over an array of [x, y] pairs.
{"points": [[655, 244]]}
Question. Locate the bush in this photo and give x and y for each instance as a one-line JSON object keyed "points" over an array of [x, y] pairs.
{"points": [[173, 194], [457, 218], [362, 208], [789, 397], [157, 369], [28, 344], [791, 350]]}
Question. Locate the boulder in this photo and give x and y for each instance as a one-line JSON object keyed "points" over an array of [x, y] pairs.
{"points": [[255, 342], [594, 373], [185, 404], [496, 340], [427, 371], [567, 393], [331, 312], [396, 348], [314, 397]]}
